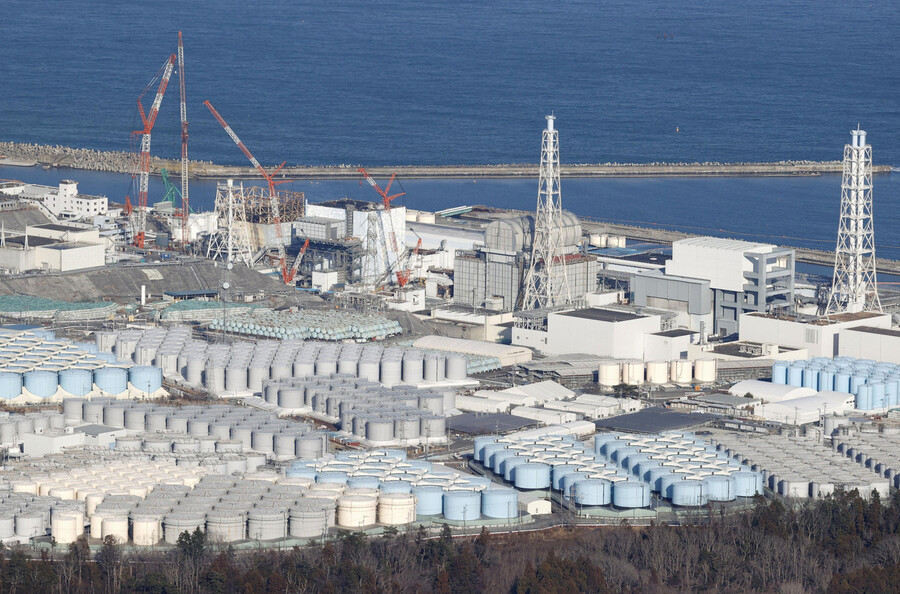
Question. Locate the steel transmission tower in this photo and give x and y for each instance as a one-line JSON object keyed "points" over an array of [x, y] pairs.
{"points": [[546, 284], [854, 287]]}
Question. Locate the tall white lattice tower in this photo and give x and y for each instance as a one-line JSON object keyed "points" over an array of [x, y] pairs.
{"points": [[854, 288], [546, 284], [231, 242]]}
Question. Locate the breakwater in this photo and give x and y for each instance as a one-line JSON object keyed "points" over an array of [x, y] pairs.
{"points": [[24, 154]]}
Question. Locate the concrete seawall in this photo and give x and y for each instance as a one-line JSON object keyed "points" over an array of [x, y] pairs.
{"points": [[122, 162]]}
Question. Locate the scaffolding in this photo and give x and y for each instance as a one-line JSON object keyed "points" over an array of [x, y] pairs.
{"points": [[291, 205]]}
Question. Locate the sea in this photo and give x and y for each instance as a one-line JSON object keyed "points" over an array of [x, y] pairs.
{"points": [[465, 82]]}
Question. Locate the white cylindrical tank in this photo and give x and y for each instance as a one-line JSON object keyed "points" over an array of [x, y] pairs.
{"points": [[145, 529], [681, 371], [705, 370], [396, 508], [658, 372], [609, 373], [356, 511], [115, 526], [66, 526], [633, 372]]}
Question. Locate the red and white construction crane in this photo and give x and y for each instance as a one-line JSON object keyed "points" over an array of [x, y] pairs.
{"points": [[403, 276], [148, 119], [185, 203], [297, 261], [273, 197], [386, 200]]}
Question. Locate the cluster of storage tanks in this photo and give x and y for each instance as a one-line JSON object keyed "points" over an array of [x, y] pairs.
{"points": [[35, 365], [622, 470], [242, 367], [417, 488], [365, 409], [875, 385], [879, 451], [800, 466], [635, 372], [317, 324], [222, 429], [13, 426]]}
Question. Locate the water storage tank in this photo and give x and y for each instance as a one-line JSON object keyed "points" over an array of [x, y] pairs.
{"points": [[380, 430], [633, 372], [235, 379], [145, 378], [780, 372], [463, 505], [681, 371], [456, 368], [480, 443], [747, 484], [114, 415], [42, 384], [413, 369], [356, 511], [112, 380], [310, 518], [145, 529], [391, 372], [76, 382], [500, 503], [290, 397], [690, 493], [658, 372], [609, 373], [592, 492], [177, 522], [395, 509], [535, 475], [705, 370], [721, 488], [310, 446], [67, 526], [115, 526], [429, 500], [30, 524], [267, 524], [631, 494]]}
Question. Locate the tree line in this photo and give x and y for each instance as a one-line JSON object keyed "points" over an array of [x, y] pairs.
{"points": [[841, 544]]}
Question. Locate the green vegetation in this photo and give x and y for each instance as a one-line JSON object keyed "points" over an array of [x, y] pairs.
{"points": [[842, 544]]}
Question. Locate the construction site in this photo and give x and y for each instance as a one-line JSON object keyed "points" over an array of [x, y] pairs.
{"points": [[279, 370]]}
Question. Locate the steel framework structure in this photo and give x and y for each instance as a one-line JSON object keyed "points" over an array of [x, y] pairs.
{"points": [[854, 287], [546, 283], [231, 242]]}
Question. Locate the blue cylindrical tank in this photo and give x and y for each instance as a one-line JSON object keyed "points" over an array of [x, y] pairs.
{"points": [[500, 503], [721, 488], [534, 475], [145, 378], [842, 382], [76, 382], [654, 476], [891, 392], [810, 378], [795, 375], [747, 484], [488, 450], [602, 438], [421, 465], [631, 494], [509, 466], [395, 487], [592, 492], [498, 458], [864, 398], [10, 385], [559, 472], [620, 453], [429, 500], [632, 461], [42, 384], [569, 480], [878, 390], [302, 471], [780, 372], [826, 379], [332, 476], [480, 442], [644, 467], [689, 493], [666, 481], [462, 505], [857, 380], [113, 380], [363, 482]]}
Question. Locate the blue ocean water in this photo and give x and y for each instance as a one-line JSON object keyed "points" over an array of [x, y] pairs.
{"points": [[399, 82]]}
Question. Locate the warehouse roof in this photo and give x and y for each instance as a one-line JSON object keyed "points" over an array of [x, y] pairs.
{"points": [[507, 355], [543, 391], [872, 330], [602, 315], [475, 423], [769, 391], [654, 420]]}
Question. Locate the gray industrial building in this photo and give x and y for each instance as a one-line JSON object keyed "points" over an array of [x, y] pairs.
{"points": [[710, 282], [492, 275]]}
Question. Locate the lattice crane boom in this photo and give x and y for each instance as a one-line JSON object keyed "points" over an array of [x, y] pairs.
{"points": [[185, 202], [273, 197], [149, 120], [296, 266]]}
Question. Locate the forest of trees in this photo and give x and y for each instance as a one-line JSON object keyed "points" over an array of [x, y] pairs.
{"points": [[840, 544]]}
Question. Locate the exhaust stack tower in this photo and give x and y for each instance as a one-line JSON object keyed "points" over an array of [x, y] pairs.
{"points": [[546, 284], [854, 288]]}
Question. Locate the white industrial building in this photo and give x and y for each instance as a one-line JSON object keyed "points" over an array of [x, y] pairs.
{"points": [[64, 202], [870, 342], [820, 336], [614, 333], [51, 248], [793, 405]]}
